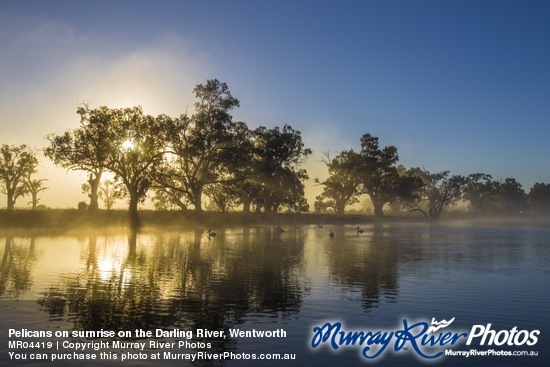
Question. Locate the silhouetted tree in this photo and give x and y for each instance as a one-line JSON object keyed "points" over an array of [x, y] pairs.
{"points": [[539, 197], [123, 141], [487, 195], [512, 197], [276, 177], [438, 191], [84, 148], [136, 146], [109, 191], [481, 191], [205, 148], [342, 187], [408, 190], [222, 196], [16, 162], [34, 187], [380, 179], [168, 198]]}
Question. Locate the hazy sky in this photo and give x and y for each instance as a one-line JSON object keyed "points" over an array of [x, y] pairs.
{"points": [[457, 85]]}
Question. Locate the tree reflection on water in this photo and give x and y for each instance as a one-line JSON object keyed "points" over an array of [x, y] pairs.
{"points": [[179, 281]]}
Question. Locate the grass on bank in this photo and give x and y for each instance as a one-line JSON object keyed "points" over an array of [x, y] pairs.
{"points": [[73, 218], [60, 219]]}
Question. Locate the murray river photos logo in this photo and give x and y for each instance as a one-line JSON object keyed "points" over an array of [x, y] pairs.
{"points": [[426, 340]]}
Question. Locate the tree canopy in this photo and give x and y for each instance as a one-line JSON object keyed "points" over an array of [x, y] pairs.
{"points": [[206, 155], [16, 164]]}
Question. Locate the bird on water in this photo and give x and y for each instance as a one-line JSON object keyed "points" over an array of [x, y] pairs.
{"points": [[211, 233], [331, 234], [359, 230]]}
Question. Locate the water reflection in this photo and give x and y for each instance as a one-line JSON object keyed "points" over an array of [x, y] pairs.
{"points": [[177, 280], [365, 262], [257, 276], [15, 271]]}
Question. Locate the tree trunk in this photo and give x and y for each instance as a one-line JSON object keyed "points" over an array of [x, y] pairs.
{"points": [[94, 187], [11, 201], [340, 207], [246, 204], [133, 210], [378, 208], [434, 214], [197, 198]]}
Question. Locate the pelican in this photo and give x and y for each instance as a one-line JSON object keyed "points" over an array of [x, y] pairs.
{"points": [[331, 234], [210, 233], [359, 230]]}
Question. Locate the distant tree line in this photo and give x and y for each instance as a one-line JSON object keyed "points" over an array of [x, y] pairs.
{"points": [[373, 171], [181, 160]]}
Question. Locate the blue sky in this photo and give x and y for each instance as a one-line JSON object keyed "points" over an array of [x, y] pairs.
{"points": [[455, 85]]}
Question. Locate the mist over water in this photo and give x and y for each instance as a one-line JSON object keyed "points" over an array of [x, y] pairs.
{"points": [[259, 278]]}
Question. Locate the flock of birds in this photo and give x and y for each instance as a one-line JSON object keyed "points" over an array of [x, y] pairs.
{"points": [[278, 229]]}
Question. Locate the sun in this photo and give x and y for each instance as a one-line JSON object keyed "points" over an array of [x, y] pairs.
{"points": [[128, 145]]}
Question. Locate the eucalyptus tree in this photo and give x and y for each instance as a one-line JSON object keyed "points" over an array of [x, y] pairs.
{"points": [[512, 197], [137, 144], [539, 197], [480, 190], [166, 198], [498, 196], [206, 148], [379, 176], [223, 197], [34, 187], [342, 187], [84, 148], [438, 191], [277, 177], [16, 163], [109, 192], [123, 141]]}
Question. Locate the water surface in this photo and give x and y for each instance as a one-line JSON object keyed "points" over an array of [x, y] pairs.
{"points": [[256, 278]]}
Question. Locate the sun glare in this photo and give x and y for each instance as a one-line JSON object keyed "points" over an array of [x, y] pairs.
{"points": [[128, 145]]}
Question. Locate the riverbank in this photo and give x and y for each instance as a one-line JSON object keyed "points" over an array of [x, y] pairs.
{"points": [[69, 218], [73, 219]]}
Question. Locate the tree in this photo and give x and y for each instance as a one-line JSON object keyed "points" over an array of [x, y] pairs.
{"points": [[137, 145], [380, 179], [481, 191], [539, 197], [85, 148], [488, 195], [222, 196], [34, 187], [512, 197], [109, 191], [123, 141], [408, 189], [168, 199], [342, 187], [205, 148], [276, 177], [16, 163], [438, 191]]}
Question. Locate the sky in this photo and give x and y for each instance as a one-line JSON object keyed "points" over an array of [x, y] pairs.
{"points": [[454, 85]]}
